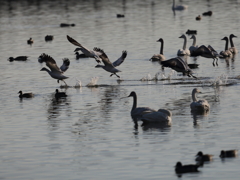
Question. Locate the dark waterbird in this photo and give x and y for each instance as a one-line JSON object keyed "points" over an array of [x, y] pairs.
{"points": [[60, 94], [19, 58], [78, 55], [203, 157], [159, 57], [191, 31], [66, 25], [179, 168], [25, 95], [228, 153], [120, 15], [208, 13], [49, 38], [30, 41], [233, 49]]}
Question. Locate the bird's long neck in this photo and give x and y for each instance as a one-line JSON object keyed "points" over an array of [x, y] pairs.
{"points": [[194, 96], [194, 41], [161, 47], [231, 41], [134, 102], [226, 45], [184, 43], [173, 5]]}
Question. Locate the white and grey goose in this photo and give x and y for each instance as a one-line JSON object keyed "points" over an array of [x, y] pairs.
{"points": [[198, 105], [55, 72], [184, 51], [87, 52], [108, 66], [226, 52], [233, 49], [160, 56]]}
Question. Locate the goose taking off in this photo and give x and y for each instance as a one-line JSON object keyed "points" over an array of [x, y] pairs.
{"points": [[87, 52], [159, 57], [203, 157], [179, 65], [19, 58], [233, 49], [108, 66], [228, 153], [179, 168], [198, 105], [138, 111], [25, 95], [226, 52], [193, 47], [78, 56], [178, 7], [56, 72], [184, 50]]}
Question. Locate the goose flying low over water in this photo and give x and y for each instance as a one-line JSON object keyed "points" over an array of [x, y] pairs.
{"points": [[179, 65], [184, 50], [56, 72], [87, 52], [233, 49], [226, 52], [138, 111], [198, 105], [25, 95], [108, 66], [159, 57], [19, 58]]}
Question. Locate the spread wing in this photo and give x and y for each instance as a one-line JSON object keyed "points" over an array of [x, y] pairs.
{"points": [[103, 56], [74, 42], [65, 65], [50, 62], [120, 60]]}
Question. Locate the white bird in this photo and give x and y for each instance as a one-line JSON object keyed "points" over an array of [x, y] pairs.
{"points": [[193, 47], [159, 57], [178, 7], [233, 49], [87, 52], [226, 52], [108, 66], [138, 111], [184, 50], [161, 116], [56, 72], [198, 105]]}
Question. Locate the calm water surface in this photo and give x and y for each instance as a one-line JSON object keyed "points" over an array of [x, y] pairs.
{"points": [[90, 134]]}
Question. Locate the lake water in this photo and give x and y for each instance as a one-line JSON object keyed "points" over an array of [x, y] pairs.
{"points": [[90, 134]]}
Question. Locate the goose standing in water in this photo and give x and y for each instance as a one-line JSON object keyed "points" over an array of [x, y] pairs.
{"points": [[25, 95], [233, 49], [108, 66], [178, 7], [226, 52], [193, 47], [179, 65], [198, 105], [138, 111], [87, 52], [207, 52], [159, 57], [56, 72], [184, 50]]}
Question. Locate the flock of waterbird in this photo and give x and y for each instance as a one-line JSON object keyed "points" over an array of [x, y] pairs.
{"points": [[146, 114]]}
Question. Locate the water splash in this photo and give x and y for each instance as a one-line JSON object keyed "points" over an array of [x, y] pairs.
{"points": [[158, 76], [147, 78], [221, 80], [78, 84], [93, 82]]}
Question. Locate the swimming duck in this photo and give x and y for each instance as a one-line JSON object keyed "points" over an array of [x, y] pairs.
{"points": [[49, 38], [19, 58], [228, 153], [60, 94], [25, 95], [209, 13], [30, 41], [203, 157], [179, 168], [66, 25]]}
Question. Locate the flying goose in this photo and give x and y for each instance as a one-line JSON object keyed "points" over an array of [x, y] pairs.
{"points": [[25, 95], [233, 49], [159, 57], [87, 52], [179, 65], [198, 105], [226, 52], [56, 72], [108, 66], [184, 50]]}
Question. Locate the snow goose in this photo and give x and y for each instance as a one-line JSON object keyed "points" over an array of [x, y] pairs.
{"points": [[25, 95], [178, 7], [198, 105], [138, 111], [228, 153], [233, 49], [108, 66], [87, 52], [159, 57], [226, 52], [56, 72], [179, 168], [193, 47], [19, 58], [183, 51], [203, 157], [179, 65]]}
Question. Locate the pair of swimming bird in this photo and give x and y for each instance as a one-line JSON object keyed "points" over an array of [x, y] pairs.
{"points": [[98, 54], [149, 115], [201, 158]]}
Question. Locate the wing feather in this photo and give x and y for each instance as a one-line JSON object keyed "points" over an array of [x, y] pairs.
{"points": [[120, 60]]}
